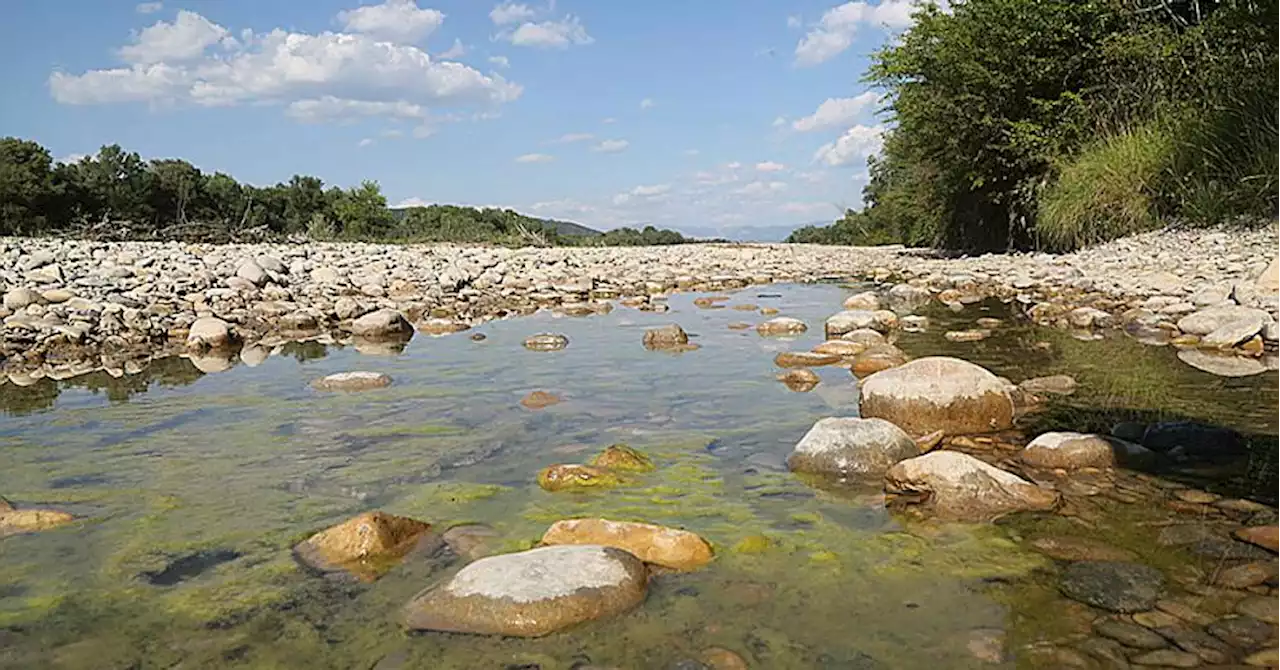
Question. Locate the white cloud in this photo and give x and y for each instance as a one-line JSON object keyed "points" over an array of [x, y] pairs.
{"points": [[564, 207], [611, 146], [535, 158], [393, 133], [458, 50], [654, 192], [770, 166], [364, 142], [510, 12], [794, 22], [183, 40], [393, 20], [835, 113], [72, 158], [761, 188], [412, 202], [321, 76], [835, 31], [549, 34], [780, 122], [500, 61], [733, 166], [714, 179], [570, 138], [813, 176], [858, 142], [647, 103], [148, 7]]}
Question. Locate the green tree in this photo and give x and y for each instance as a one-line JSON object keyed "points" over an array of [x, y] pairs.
{"points": [[361, 212], [26, 186]]}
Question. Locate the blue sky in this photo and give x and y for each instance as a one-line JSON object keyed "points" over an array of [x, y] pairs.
{"points": [[711, 117]]}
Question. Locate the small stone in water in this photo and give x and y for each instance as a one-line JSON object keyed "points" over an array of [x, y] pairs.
{"points": [[622, 457], [1113, 585], [539, 400], [575, 477]]}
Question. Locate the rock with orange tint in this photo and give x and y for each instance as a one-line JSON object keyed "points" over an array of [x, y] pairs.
{"points": [[804, 359], [365, 546], [539, 400], [574, 477], [16, 521], [876, 358], [667, 547], [1263, 536], [801, 380]]}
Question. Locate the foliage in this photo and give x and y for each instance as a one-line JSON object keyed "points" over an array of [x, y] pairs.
{"points": [[116, 194], [1003, 111]]}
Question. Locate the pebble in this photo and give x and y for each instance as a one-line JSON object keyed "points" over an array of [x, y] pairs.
{"points": [[1129, 634], [1167, 657]]}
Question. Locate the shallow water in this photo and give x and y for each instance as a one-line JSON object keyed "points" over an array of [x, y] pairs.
{"points": [[193, 487]]}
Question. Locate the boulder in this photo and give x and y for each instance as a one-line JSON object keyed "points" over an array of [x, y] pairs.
{"points": [[546, 342], [1263, 536], [210, 333], [844, 447], [671, 335], [865, 336], [1071, 451], [840, 348], [253, 273], [1222, 365], [962, 488], [876, 358], [573, 477], [804, 359], [19, 298], [938, 393], [800, 380], [905, 298], [782, 325], [1268, 283], [358, 380], [539, 400], [1227, 320], [848, 321], [366, 546], [1116, 586], [384, 323], [532, 593], [659, 545], [623, 458], [866, 300]]}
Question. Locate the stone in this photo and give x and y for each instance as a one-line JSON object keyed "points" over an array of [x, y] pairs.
{"points": [[866, 300], [849, 321], [1192, 640], [1267, 537], [938, 393], [1155, 619], [1268, 283], [739, 325], [1227, 320], [365, 546], [1130, 634], [539, 400], [877, 358], [1110, 652], [623, 458], [1070, 548], [1169, 658], [1245, 575], [844, 447], [253, 273], [574, 477], [1242, 631], [19, 298], [719, 658], [209, 333], [1072, 451], [966, 335], [385, 323], [57, 296], [781, 326], [359, 380], [437, 326], [532, 593], [18, 521], [1115, 586], [1051, 385], [864, 336], [962, 488], [1193, 438], [471, 541], [906, 298], [804, 359], [671, 335], [1267, 658], [800, 380], [1262, 608], [546, 342], [986, 644], [927, 443], [840, 348], [659, 545]]}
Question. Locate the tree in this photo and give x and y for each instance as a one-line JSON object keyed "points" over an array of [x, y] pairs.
{"points": [[175, 187], [361, 211], [26, 186]]}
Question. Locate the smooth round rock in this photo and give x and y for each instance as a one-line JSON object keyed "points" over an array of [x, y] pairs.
{"points": [[358, 380], [851, 446], [962, 488], [804, 359], [546, 342], [671, 335], [660, 545], [1113, 585], [800, 380], [1069, 548], [938, 393], [782, 325], [532, 593], [1069, 451], [383, 323]]}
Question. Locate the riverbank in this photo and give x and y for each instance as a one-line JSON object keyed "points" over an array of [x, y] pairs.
{"points": [[72, 307]]}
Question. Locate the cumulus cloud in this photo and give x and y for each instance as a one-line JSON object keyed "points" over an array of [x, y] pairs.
{"points": [[761, 188], [73, 158], [500, 61], [393, 20], [412, 202], [535, 158], [835, 113], [706, 178], [510, 12], [858, 142], [770, 166], [794, 22], [148, 7], [647, 103], [834, 32], [733, 165], [611, 146], [563, 207], [559, 34], [323, 76], [654, 192], [458, 50]]}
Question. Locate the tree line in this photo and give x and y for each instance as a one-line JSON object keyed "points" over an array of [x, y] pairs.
{"points": [[1059, 123], [116, 194]]}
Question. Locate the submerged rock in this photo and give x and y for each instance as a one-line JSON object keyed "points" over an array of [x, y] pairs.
{"points": [[539, 400], [1192, 438], [573, 477], [383, 324], [1071, 548], [1264, 536], [804, 359], [471, 541], [1051, 385], [623, 458], [840, 348], [867, 300], [1222, 365], [532, 593], [190, 566], [963, 488], [877, 358], [546, 342], [1115, 586], [436, 326], [667, 547], [966, 335], [668, 336], [1072, 451], [17, 521], [938, 393], [358, 380], [365, 546], [848, 321], [801, 380], [782, 325], [843, 447]]}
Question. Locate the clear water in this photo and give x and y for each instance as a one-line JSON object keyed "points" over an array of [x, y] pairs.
{"points": [[193, 487]]}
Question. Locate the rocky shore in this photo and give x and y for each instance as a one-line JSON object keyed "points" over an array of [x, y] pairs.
{"points": [[71, 307]]}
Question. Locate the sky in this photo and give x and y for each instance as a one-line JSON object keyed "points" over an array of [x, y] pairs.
{"points": [[736, 118]]}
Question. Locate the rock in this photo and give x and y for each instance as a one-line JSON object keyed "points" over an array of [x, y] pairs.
{"points": [[478, 337], [1070, 548], [622, 458], [434, 326], [18, 521], [57, 296], [1267, 658], [866, 337], [1268, 283], [253, 273], [348, 308], [667, 547], [671, 335], [1228, 320], [782, 325], [719, 658], [804, 359], [1072, 451], [1262, 608], [210, 333], [383, 324], [575, 477], [1115, 586], [546, 342], [365, 546], [844, 447], [1051, 385], [539, 400], [327, 275], [800, 380], [19, 298], [850, 320], [1169, 658], [471, 541], [927, 443], [938, 393], [877, 358], [1190, 437], [711, 301], [906, 298], [966, 335], [297, 322], [866, 300], [963, 488], [1244, 632], [532, 593], [359, 380], [1129, 634], [1245, 575], [840, 348], [986, 644], [1267, 537], [739, 325]]}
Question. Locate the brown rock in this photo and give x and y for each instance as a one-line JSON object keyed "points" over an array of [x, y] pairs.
{"points": [[719, 658], [804, 359], [782, 325], [624, 458], [1171, 658], [840, 348], [1069, 548], [877, 358], [365, 546], [668, 547], [540, 399], [938, 393], [739, 325], [711, 301], [17, 521], [961, 487], [768, 311], [1267, 658], [569, 477], [1130, 634], [1245, 575], [986, 644], [801, 380], [1263, 536], [1262, 608], [671, 335]]}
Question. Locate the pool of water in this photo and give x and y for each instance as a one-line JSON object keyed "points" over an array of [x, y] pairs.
{"points": [[192, 488]]}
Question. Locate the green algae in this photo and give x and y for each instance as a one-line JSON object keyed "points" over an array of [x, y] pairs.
{"points": [[623, 458]]}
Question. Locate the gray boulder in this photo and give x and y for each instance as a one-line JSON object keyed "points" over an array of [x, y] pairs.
{"points": [[851, 446]]}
